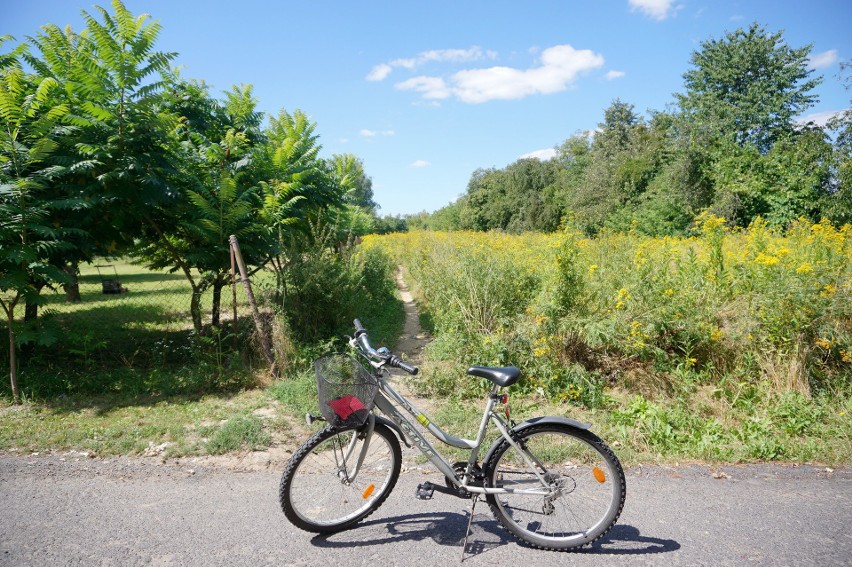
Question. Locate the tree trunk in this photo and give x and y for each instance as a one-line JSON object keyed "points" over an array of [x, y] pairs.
{"points": [[72, 288], [31, 307], [218, 284], [13, 350], [195, 308], [195, 303], [13, 364]]}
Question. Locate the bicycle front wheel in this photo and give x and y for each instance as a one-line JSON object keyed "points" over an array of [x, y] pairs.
{"points": [[321, 490], [565, 492]]}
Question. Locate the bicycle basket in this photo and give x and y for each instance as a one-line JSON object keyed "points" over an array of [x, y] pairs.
{"points": [[346, 390]]}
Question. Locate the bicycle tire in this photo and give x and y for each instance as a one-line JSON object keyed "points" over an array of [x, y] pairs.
{"points": [[315, 493], [587, 487]]}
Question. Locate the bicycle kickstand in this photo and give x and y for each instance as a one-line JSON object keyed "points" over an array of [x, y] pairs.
{"points": [[475, 498]]}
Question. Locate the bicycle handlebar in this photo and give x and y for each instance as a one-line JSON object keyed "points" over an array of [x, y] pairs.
{"points": [[392, 360], [359, 328]]}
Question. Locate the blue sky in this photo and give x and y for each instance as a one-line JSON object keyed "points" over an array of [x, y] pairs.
{"points": [[427, 92]]}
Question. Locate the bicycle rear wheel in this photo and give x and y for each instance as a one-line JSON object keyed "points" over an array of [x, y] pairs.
{"points": [[579, 482], [318, 492]]}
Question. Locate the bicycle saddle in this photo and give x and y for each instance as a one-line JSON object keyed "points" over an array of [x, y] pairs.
{"points": [[503, 376]]}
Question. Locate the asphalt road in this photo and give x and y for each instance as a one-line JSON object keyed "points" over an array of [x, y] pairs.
{"points": [[71, 510]]}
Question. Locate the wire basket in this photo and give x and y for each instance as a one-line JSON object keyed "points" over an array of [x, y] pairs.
{"points": [[346, 390]]}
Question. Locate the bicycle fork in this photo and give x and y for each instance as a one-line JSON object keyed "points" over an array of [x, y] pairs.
{"points": [[346, 476]]}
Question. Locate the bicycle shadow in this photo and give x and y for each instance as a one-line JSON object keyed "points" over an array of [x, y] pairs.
{"points": [[448, 528]]}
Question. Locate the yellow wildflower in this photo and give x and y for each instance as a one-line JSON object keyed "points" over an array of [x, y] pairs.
{"points": [[621, 299], [828, 290], [766, 259]]}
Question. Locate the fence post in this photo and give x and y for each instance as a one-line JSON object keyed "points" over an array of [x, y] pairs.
{"points": [[234, 327], [260, 325]]}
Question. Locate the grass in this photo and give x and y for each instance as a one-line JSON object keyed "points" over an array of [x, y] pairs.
{"points": [[238, 432], [128, 374], [656, 433], [723, 346], [116, 425], [135, 343], [728, 388]]}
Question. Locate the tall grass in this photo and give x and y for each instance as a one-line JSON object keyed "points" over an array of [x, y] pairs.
{"points": [[739, 323]]}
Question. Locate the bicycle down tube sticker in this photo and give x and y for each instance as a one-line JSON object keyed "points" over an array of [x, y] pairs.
{"points": [[424, 421]]}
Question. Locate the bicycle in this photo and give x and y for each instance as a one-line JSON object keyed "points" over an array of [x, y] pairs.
{"points": [[549, 481]]}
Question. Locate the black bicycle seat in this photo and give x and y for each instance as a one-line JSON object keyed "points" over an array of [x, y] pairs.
{"points": [[502, 376]]}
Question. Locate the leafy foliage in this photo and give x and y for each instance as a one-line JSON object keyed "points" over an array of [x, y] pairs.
{"points": [[752, 83], [731, 147], [28, 238]]}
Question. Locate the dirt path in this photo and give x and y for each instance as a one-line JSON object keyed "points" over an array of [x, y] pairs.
{"points": [[410, 344], [413, 338]]}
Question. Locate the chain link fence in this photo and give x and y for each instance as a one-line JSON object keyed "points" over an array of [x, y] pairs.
{"points": [[127, 316]]}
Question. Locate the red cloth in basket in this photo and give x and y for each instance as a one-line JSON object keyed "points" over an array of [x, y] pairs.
{"points": [[346, 406]]}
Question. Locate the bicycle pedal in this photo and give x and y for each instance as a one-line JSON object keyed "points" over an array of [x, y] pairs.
{"points": [[424, 491]]}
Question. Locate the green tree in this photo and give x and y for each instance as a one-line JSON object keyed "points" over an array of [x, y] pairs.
{"points": [[358, 187], [616, 170], [111, 80], [751, 83], [517, 198], [838, 205], [28, 237], [742, 96], [299, 186], [217, 192], [358, 215]]}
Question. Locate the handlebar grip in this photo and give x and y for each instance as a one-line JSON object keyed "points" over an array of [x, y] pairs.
{"points": [[359, 328], [413, 370], [396, 361]]}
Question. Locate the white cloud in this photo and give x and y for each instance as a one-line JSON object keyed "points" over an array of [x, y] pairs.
{"points": [[541, 155], [822, 60], [420, 163], [380, 72], [374, 133], [820, 118], [453, 55], [655, 9], [431, 87], [560, 65], [612, 75]]}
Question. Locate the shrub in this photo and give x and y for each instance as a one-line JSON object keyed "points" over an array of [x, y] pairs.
{"points": [[753, 305]]}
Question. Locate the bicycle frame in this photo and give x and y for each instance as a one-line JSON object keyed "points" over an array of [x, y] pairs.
{"points": [[387, 401]]}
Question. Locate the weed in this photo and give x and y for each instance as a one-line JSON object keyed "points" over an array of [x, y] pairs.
{"points": [[757, 317], [239, 432]]}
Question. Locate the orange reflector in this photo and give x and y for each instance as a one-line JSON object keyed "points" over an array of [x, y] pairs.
{"points": [[599, 475], [369, 490]]}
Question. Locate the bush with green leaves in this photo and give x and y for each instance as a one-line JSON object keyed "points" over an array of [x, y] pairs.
{"points": [[327, 283]]}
